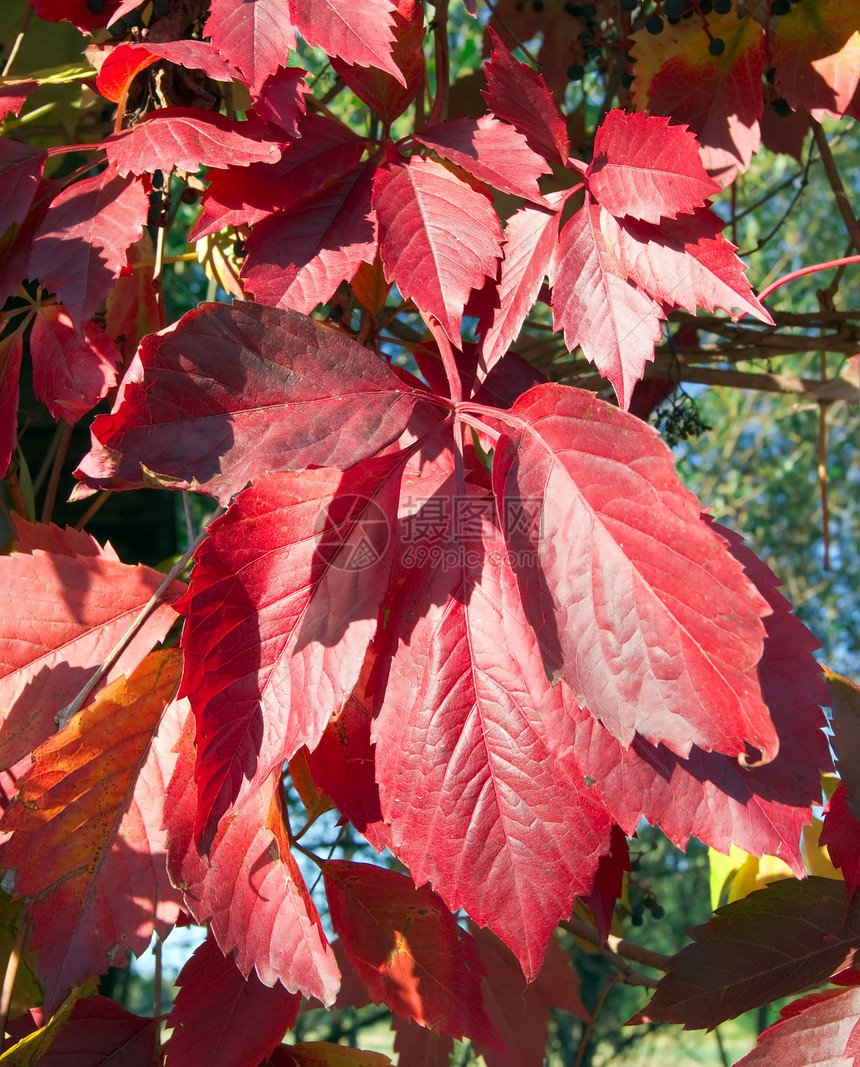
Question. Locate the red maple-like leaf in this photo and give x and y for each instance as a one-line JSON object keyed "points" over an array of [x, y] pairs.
{"points": [[81, 601], [841, 835], [519, 94], [11, 354], [384, 94], [222, 1018], [635, 602], [491, 151], [72, 368], [268, 677], [439, 237], [281, 101], [530, 240], [296, 259], [229, 392], [80, 246], [685, 262], [86, 830], [615, 324], [126, 61], [419, 1047], [361, 35], [255, 37], [324, 154], [407, 948], [821, 1028], [476, 804], [845, 704], [249, 887], [181, 137], [13, 95], [20, 171], [645, 168], [77, 12]]}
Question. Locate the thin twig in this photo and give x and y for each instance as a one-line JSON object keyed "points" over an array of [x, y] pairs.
{"points": [[17, 44], [64, 437], [595, 1015], [617, 946], [95, 507], [11, 973], [141, 617], [833, 176]]}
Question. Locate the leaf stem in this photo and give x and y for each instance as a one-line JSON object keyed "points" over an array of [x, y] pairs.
{"points": [[64, 436], [8, 65], [443, 65], [595, 1015], [11, 973], [830, 169]]}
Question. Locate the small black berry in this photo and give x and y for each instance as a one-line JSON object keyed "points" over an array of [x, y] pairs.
{"points": [[637, 920], [722, 7], [588, 11], [575, 72], [118, 28], [627, 80], [537, 5], [573, 10], [654, 24], [629, 5], [658, 911], [706, 7], [780, 7], [717, 46], [674, 9]]}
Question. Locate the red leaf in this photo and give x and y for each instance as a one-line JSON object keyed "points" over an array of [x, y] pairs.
{"points": [[609, 882], [520, 1013], [126, 61], [439, 237], [841, 835], [816, 54], [385, 95], [180, 137], [519, 94], [476, 804], [491, 151], [418, 1047], [249, 888], [326, 152], [267, 677], [645, 168], [718, 97], [530, 238], [362, 35], [80, 603], [816, 1029], [99, 1033], [86, 842], [760, 809], [773, 943], [615, 324], [845, 702], [297, 259], [80, 247], [221, 1018], [683, 263], [255, 37], [13, 96], [20, 171], [72, 369], [281, 101], [281, 392], [634, 600], [407, 948], [11, 353], [76, 12]]}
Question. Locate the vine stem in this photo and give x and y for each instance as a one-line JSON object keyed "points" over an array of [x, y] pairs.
{"points": [[833, 177], [64, 437], [595, 1015], [812, 269], [443, 63], [141, 617], [11, 974], [8, 65], [617, 946]]}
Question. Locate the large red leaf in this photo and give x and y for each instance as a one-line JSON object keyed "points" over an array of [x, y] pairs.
{"points": [[684, 262], [718, 97], [181, 137], [281, 101], [845, 702], [615, 324], [223, 1019], [760, 809], [491, 151], [476, 803], [634, 600], [80, 600], [520, 1013], [254, 37], [645, 168], [815, 1030], [11, 354], [841, 835], [282, 604], [325, 152], [249, 888], [385, 95], [530, 238], [519, 94], [773, 943], [816, 55], [297, 259], [126, 61], [98, 1033], [80, 246], [407, 948], [87, 844], [20, 171], [439, 237], [229, 392], [363, 35], [72, 368], [418, 1047]]}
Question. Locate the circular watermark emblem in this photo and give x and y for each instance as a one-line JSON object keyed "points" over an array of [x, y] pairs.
{"points": [[353, 532]]}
